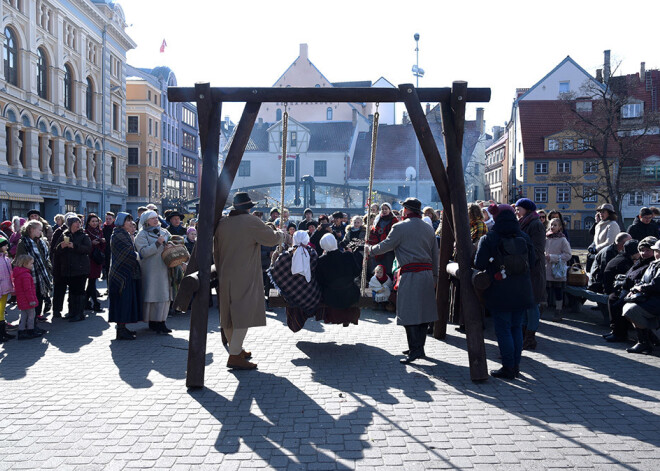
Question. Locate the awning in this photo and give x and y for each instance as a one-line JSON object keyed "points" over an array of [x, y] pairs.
{"points": [[12, 196]]}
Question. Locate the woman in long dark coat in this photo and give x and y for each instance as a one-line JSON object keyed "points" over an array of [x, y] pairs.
{"points": [[96, 260], [124, 280], [335, 273]]}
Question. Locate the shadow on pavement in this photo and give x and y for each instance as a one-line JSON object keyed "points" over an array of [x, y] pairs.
{"points": [[136, 359], [70, 337], [17, 357]]}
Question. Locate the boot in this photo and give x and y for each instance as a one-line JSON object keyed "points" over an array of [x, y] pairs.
{"points": [[123, 333], [25, 334], [643, 344], [161, 328], [655, 341], [153, 325], [529, 340], [96, 307], [77, 308], [505, 372], [4, 336], [558, 311], [237, 362]]}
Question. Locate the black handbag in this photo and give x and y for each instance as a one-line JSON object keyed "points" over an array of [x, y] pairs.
{"points": [[98, 257]]}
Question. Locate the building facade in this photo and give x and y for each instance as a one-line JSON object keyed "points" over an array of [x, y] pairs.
{"points": [[144, 112], [496, 175], [62, 103]]}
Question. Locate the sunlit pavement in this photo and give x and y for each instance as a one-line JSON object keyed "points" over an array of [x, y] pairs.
{"points": [[327, 397]]}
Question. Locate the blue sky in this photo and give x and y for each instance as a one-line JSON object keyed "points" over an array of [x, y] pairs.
{"points": [[501, 45]]}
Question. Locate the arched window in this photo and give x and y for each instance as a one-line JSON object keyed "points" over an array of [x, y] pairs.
{"points": [[328, 114], [68, 87], [89, 100], [42, 73], [11, 57], [278, 114]]}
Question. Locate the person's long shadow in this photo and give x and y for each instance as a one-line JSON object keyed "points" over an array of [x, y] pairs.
{"points": [[284, 420], [136, 359], [16, 358], [556, 396], [70, 337]]}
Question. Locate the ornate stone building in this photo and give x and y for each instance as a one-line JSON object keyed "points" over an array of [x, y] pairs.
{"points": [[62, 106]]}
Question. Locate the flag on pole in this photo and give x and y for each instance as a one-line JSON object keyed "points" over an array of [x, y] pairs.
{"points": [[162, 46]]}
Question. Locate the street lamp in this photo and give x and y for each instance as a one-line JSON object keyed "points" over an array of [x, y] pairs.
{"points": [[417, 72]]}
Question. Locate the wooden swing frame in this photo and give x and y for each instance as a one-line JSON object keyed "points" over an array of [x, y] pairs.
{"points": [[215, 190]]}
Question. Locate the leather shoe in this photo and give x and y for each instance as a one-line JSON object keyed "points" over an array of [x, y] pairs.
{"points": [[615, 338], [609, 334], [410, 358], [237, 362], [504, 373], [246, 355]]}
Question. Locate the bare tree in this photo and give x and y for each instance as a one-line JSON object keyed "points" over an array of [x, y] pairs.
{"points": [[612, 130]]}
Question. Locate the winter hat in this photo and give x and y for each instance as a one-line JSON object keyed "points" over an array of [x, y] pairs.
{"points": [[146, 216], [33, 211], [3, 241], [121, 219], [274, 210], [630, 247], [5, 225], [191, 229], [496, 209], [526, 203], [72, 218], [647, 242], [291, 224]]}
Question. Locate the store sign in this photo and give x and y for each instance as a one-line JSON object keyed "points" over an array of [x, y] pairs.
{"points": [[47, 191]]}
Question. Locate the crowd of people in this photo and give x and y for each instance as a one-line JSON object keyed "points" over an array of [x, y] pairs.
{"points": [[525, 251]]}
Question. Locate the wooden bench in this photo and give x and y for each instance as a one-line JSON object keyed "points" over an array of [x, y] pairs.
{"points": [[275, 300]]}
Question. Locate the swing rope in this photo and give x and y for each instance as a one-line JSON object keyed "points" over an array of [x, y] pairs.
{"points": [[374, 139], [285, 125]]}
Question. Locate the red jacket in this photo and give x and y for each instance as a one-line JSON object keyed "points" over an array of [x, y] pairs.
{"points": [[24, 288]]}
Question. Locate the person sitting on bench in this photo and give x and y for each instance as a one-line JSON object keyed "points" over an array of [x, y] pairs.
{"points": [[603, 258]]}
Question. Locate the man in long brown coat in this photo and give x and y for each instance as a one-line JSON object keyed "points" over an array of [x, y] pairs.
{"points": [[237, 257]]}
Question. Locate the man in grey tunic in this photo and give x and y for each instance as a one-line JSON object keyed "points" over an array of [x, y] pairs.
{"points": [[416, 250]]}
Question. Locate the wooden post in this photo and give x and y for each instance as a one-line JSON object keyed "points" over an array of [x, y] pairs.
{"points": [[442, 290], [209, 113], [453, 124], [439, 175]]}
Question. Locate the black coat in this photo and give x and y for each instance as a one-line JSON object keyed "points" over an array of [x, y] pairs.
{"points": [[73, 261], [179, 230], [638, 230], [619, 265], [603, 257], [515, 291], [636, 272], [335, 273], [650, 287]]}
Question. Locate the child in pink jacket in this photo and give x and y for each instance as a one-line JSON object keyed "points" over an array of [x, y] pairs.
{"points": [[26, 297], [6, 287]]}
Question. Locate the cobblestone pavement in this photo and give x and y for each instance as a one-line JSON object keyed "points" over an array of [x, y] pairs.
{"points": [[327, 397]]}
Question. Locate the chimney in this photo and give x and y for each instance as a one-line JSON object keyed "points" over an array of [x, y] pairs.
{"points": [[304, 51], [642, 72], [599, 75], [498, 131], [354, 117], [606, 67], [480, 120], [428, 109], [261, 121]]}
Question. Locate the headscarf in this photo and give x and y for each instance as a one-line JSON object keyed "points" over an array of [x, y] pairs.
{"points": [[427, 220], [300, 260], [146, 216], [329, 242], [121, 219]]}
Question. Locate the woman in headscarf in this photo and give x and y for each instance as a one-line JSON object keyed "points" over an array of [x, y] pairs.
{"points": [[34, 244], [96, 260], [17, 223], [379, 232], [293, 275], [124, 284], [335, 273], [156, 287]]}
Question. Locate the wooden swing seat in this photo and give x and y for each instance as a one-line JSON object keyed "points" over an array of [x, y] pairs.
{"points": [[275, 300]]}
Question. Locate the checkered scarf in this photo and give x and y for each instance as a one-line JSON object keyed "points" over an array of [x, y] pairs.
{"points": [[294, 288], [40, 273]]}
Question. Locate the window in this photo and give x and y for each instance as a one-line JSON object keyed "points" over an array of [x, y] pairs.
{"points": [[156, 129], [150, 126], [71, 206], [553, 144], [294, 139], [655, 198], [521, 170], [563, 167], [155, 158], [189, 142], [188, 165], [150, 188], [328, 114], [244, 169], [89, 100], [582, 144], [636, 198], [563, 194], [591, 166], [115, 117], [403, 191], [290, 168], [564, 87], [567, 144], [133, 124], [113, 170], [150, 154], [188, 190], [189, 117], [541, 194], [68, 87], [320, 168], [11, 57], [589, 194], [133, 156], [42, 74], [583, 107], [149, 95], [631, 110], [133, 187], [540, 168]]}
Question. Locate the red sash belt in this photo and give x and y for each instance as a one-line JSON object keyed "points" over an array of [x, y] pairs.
{"points": [[410, 268]]}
